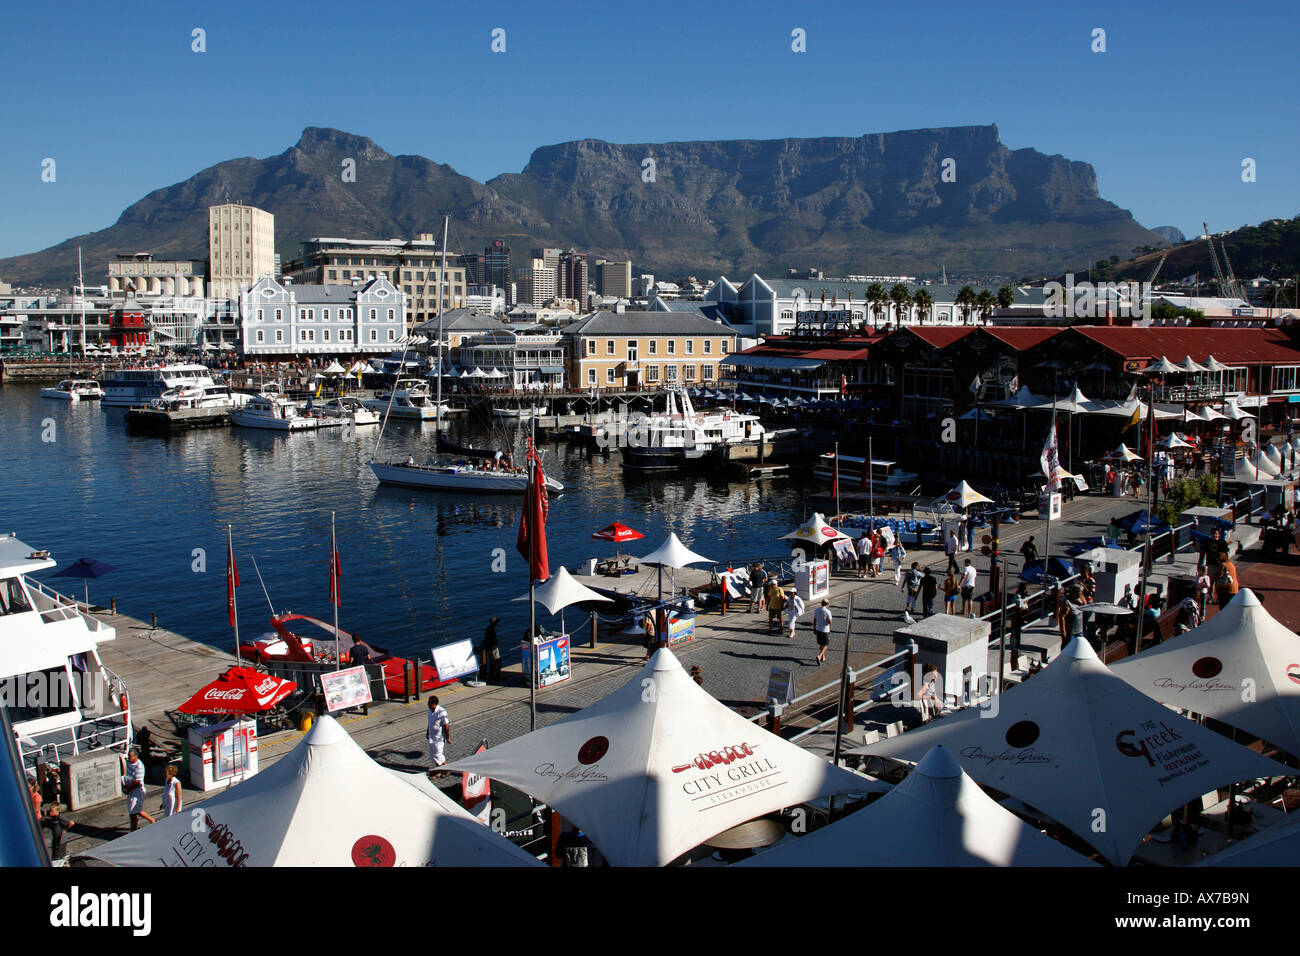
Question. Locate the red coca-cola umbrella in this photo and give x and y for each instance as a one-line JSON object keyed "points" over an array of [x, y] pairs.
{"points": [[618, 533], [240, 690]]}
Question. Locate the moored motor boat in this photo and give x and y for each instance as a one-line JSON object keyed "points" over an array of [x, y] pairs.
{"points": [[74, 390], [275, 413], [350, 409]]}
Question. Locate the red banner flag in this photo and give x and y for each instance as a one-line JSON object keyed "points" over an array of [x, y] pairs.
{"points": [[232, 582], [336, 572], [835, 478], [532, 522]]}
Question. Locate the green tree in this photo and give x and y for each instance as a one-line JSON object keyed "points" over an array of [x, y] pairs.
{"points": [[1006, 297], [985, 302], [966, 302], [878, 299], [923, 302], [901, 296]]}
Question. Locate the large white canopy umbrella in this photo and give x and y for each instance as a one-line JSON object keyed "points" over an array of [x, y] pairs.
{"points": [[938, 816], [659, 766], [561, 590], [1210, 669], [1163, 367], [963, 496], [1211, 414], [672, 554], [1263, 465], [1172, 442], [325, 803], [814, 531], [1214, 365], [1022, 399], [1231, 409], [1082, 746], [334, 368], [1122, 453], [1187, 365], [1272, 454]]}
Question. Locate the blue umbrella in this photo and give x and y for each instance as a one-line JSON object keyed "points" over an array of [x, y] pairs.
{"points": [[1033, 571], [86, 568]]}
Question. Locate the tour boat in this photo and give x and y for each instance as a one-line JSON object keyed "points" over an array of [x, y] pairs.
{"points": [[62, 700], [884, 474], [408, 398], [74, 390], [276, 413], [680, 438], [455, 476], [350, 409], [131, 387]]}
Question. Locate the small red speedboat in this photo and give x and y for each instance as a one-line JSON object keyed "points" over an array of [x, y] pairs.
{"points": [[285, 645]]}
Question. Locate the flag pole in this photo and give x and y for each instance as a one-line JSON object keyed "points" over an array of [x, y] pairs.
{"points": [[837, 480], [532, 585], [1051, 482], [871, 485], [234, 601], [334, 562]]}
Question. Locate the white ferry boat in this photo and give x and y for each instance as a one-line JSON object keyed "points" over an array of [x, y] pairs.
{"points": [[60, 697], [74, 390], [885, 475], [679, 437], [275, 413], [130, 387]]}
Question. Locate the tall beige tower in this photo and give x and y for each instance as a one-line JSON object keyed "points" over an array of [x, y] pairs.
{"points": [[241, 248]]}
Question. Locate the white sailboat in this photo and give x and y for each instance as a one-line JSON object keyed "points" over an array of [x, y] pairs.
{"points": [[437, 475]]}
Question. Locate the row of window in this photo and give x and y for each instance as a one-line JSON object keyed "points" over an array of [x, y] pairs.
{"points": [[653, 347], [652, 374], [309, 335], [309, 315]]}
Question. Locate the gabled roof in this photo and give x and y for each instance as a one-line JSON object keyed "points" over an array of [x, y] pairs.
{"points": [[1020, 338], [323, 294], [1229, 346], [937, 336], [648, 323]]}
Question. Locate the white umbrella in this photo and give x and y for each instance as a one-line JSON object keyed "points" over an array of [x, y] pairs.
{"points": [[478, 373], [561, 590], [964, 495], [1273, 455], [1187, 365], [1263, 466], [815, 531], [325, 803], [1122, 453], [1082, 746], [938, 816], [1213, 365], [1172, 441], [1232, 411], [1022, 399], [1207, 670], [1212, 414], [334, 368], [1163, 367], [659, 766], [976, 413], [496, 373], [673, 554]]}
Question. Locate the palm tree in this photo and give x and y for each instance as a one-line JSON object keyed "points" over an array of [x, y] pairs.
{"points": [[1006, 297], [966, 302], [901, 296], [923, 302], [985, 301], [877, 298]]}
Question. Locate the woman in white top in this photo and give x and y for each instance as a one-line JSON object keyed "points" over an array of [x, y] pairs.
{"points": [[794, 607], [171, 797]]}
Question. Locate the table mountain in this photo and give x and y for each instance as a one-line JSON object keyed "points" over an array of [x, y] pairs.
{"points": [[879, 203]]}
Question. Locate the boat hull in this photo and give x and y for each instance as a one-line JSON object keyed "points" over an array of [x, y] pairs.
{"points": [[59, 395], [444, 478], [245, 419]]}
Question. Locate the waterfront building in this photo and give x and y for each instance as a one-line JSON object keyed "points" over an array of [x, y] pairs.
{"points": [[615, 278], [284, 318], [241, 247], [142, 274], [411, 265], [647, 349], [530, 356], [485, 298]]}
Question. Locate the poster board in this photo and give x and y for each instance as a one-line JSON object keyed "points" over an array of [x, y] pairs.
{"points": [[345, 688], [780, 686], [455, 660], [681, 629], [553, 660]]}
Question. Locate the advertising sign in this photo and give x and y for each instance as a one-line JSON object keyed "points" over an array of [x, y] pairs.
{"points": [[681, 630], [1049, 505], [552, 660], [345, 688], [455, 660], [780, 686]]}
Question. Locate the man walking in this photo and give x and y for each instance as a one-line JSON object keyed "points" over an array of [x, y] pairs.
{"points": [[968, 575], [864, 554], [1029, 550], [822, 630], [929, 587], [439, 734], [492, 650], [912, 588], [794, 607], [758, 587], [775, 605], [951, 545]]}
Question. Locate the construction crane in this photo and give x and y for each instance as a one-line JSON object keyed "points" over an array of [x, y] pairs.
{"points": [[1233, 284], [1214, 260], [1151, 279]]}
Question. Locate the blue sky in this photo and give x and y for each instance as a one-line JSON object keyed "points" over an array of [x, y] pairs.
{"points": [[115, 95]]}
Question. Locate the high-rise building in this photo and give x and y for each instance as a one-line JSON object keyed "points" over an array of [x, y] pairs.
{"points": [[550, 258], [475, 269], [536, 284], [616, 279], [571, 279], [496, 269], [241, 248]]}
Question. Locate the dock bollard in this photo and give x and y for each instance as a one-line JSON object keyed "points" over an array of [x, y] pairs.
{"points": [[593, 628], [112, 605], [154, 620], [416, 667]]}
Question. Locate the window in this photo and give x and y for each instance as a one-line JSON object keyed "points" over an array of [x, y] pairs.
{"points": [[708, 346], [279, 315], [631, 351], [310, 315], [390, 315], [392, 335], [259, 335], [706, 373], [324, 315], [1286, 378], [374, 314], [690, 346], [591, 346], [654, 347], [652, 373], [279, 335], [609, 376], [332, 273], [670, 373], [609, 347], [374, 335], [259, 315], [327, 335], [591, 376], [726, 346], [672, 346], [688, 373]]}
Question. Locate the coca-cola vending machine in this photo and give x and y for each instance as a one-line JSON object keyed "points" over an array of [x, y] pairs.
{"points": [[222, 754]]}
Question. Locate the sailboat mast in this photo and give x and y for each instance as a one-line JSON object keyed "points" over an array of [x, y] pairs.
{"points": [[81, 291], [442, 266]]}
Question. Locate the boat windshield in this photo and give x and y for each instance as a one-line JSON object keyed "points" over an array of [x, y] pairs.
{"points": [[12, 598], [53, 696]]}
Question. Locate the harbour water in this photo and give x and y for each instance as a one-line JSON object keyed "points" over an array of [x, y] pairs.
{"points": [[417, 566]]}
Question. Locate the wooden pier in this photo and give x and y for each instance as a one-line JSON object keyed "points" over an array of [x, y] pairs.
{"points": [[176, 419]]}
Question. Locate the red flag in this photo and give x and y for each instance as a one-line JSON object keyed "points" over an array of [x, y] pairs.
{"points": [[336, 572], [864, 483], [532, 522], [835, 478], [844, 384], [232, 582]]}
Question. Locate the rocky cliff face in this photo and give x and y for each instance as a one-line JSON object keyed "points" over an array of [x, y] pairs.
{"points": [[882, 203]]}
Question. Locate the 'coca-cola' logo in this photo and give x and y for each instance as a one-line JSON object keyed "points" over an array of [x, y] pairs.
{"points": [[271, 683], [713, 758], [223, 694]]}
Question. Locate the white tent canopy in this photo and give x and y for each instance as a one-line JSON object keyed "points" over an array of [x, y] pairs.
{"points": [[561, 590], [1232, 411], [673, 554], [657, 767], [1272, 454], [1123, 453], [1163, 367], [334, 368], [1076, 740], [813, 531], [938, 816], [1187, 365], [1172, 441], [1263, 465], [325, 803], [1207, 669], [1214, 365], [964, 496], [1022, 399]]}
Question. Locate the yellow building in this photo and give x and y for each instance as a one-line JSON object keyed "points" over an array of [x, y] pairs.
{"points": [[241, 248], [627, 350]]}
